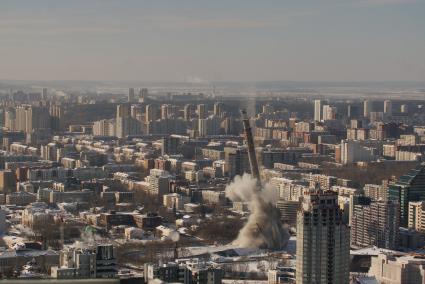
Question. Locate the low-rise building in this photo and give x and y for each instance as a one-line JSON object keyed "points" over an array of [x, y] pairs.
{"points": [[282, 275], [98, 262], [392, 269], [20, 198], [188, 271], [175, 200]]}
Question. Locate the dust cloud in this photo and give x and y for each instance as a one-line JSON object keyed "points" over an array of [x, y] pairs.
{"points": [[263, 228]]}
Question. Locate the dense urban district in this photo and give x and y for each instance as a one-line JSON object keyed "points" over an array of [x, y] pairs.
{"points": [[178, 187]]}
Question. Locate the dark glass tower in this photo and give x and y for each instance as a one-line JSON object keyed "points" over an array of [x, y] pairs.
{"points": [[409, 187]]}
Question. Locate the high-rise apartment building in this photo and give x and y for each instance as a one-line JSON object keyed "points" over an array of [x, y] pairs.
{"points": [[104, 127], [356, 123], [44, 94], [159, 182], [55, 112], [417, 216], [7, 181], [352, 111], [137, 112], [218, 109], [228, 125], [376, 191], [404, 108], [324, 181], [288, 211], [168, 111], [10, 119], [367, 108], [329, 112], [268, 109], [323, 240], [304, 126], [130, 97], [49, 152], [409, 187], [353, 151], [376, 224], [29, 118], [208, 126], [356, 199], [376, 116], [237, 162], [202, 112], [166, 126], [143, 93], [2, 221], [122, 120], [150, 113], [188, 112], [317, 110], [124, 124], [388, 106], [164, 111]]}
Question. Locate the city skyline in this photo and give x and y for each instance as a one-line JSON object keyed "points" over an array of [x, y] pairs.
{"points": [[212, 142], [103, 185]]}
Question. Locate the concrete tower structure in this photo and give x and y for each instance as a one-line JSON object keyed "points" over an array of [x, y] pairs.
{"points": [[251, 149]]}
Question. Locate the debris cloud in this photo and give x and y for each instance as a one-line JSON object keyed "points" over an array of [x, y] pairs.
{"points": [[263, 228]]}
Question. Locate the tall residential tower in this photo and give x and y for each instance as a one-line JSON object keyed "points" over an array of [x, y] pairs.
{"points": [[323, 240], [367, 108], [317, 110]]}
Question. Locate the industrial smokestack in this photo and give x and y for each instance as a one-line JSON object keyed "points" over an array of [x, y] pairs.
{"points": [[263, 228], [251, 149]]}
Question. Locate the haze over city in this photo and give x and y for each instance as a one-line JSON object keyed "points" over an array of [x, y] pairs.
{"points": [[201, 41], [212, 142]]}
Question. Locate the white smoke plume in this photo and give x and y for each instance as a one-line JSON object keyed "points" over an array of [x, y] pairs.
{"points": [[174, 236], [263, 228], [88, 239], [25, 231]]}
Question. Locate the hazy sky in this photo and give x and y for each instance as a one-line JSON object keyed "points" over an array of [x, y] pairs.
{"points": [[342, 40]]}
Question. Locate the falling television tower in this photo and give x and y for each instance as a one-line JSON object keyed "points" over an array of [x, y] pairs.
{"points": [[251, 149]]}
